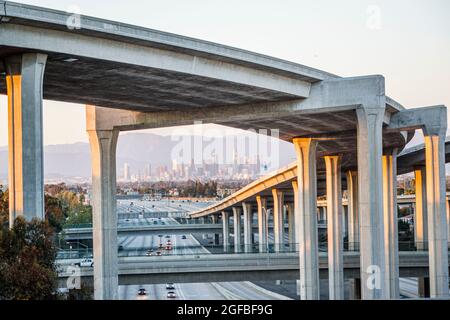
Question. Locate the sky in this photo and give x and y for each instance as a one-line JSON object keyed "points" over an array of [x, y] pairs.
{"points": [[407, 41]]}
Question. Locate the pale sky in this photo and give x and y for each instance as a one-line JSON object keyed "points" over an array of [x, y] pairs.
{"points": [[407, 41]]}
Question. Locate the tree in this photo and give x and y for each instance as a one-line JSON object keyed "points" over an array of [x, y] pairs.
{"points": [[27, 261]]}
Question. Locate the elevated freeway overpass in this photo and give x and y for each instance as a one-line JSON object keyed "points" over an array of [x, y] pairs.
{"points": [[134, 78], [236, 267]]}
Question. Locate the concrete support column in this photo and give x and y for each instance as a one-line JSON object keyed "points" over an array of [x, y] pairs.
{"points": [[371, 218], [324, 215], [248, 218], [24, 79], [262, 223], [237, 228], [355, 289], [423, 284], [420, 212], [353, 212], [104, 214], [291, 226], [437, 216], [390, 223], [307, 219], [447, 207], [278, 223], [226, 231], [334, 228]]}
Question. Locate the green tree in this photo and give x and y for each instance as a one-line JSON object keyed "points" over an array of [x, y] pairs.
{"points": [[27, 261]]}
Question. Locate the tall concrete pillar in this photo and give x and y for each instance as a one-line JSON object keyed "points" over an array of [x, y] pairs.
{"points": [[248, 219], [355, 289], [390, 223], [226, 231], [353, 212], [447, 207], [262, 223], [324, 216], [291, 226], [278, 223], [423, 284], [24, 80], [104, 214], [371, 218], [334, 228], [420, 212], [237, 228], [296, 219], [437, 216], [307, 220]]}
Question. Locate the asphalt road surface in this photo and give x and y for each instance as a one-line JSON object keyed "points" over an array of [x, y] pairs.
{"points": [[139, 244]]}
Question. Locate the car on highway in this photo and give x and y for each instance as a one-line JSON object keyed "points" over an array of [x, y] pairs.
{"points": [[86, 262], [183, 237], [170, 286], [142, 292], [120, 247], [167, 236], [168, 247], [149, 253], [158, 253], [171, 295]]}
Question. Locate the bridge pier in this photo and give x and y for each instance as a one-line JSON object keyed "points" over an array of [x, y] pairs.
{"points": [[248, 228], [237, 229], [420, 212], [352, 208], [226, 231], [372, 250], [334, 228], [307, 219], [278, 221], [262, 223], [390, 222], [291, 226], [436, 210], [103, 156], [24, 82]]}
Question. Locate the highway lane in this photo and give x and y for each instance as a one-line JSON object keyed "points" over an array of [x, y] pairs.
{"points": [[190, 245]]}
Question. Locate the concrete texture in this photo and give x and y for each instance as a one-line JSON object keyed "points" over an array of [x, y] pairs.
{"points": [[335, 229], [104, 215], [24, 78], [353, 210], [420, 212], [390, 223], [278, 223], [370, 121], [307, 220]]}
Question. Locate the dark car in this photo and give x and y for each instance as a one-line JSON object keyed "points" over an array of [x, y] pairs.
{"points": [[171, 294], [183, 237], [142, 292], [170, 286]]}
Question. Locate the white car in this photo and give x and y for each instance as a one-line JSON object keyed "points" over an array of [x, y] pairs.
{"points": [[87, 262]]}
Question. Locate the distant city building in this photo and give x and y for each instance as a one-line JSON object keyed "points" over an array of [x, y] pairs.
{"points": [[126, 172]]}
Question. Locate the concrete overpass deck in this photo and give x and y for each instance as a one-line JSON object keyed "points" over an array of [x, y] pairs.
{"points": [[238, 267], [282, 179]]}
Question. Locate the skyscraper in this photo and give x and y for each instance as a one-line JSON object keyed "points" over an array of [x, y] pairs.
{"points": [[126, 172]]}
